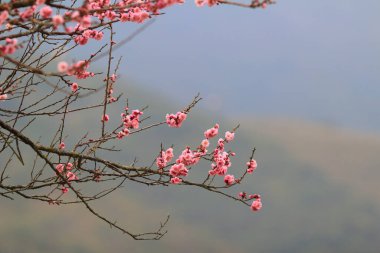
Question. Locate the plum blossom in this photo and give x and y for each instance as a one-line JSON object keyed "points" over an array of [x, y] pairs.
{"points": [[10, 46], [229, 136], [212, 132], [3, 16], [62, 66], [74, 87], [3, 97], [61, 145], [71, 176], [60, 167], [252, 165], [46, 12], [229, 179], [178, 169], [256, 205], [175, 120], [175, 180], [164, 158], [105, 118]]}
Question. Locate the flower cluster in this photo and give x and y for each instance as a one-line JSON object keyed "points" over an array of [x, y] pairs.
{"points": [[256, 204], [65, 170], [88, 34], [175, 120], [78, 69], [164, 158], [252, 165], [130, 121], [220, 162], [212, 132], [10, 46]]}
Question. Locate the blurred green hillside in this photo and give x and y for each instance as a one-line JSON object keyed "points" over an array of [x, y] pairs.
{"points": [[318, 186]]}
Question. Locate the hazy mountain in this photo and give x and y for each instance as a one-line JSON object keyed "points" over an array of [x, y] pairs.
{"points": [[318, 186]]}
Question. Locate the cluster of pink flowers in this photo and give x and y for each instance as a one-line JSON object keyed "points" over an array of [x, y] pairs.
{"points": [[130, 121], [164, 158], [28, 13], [175, 120], [88, 34], [188, 157], [137, 15], [256, 204], [252, 165], [65, 169], [79, 69], [221, 158], [201, 3], [10, 46], [212, 132]]}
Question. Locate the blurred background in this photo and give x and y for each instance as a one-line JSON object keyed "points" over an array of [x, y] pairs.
{"points": [[303, 80]]}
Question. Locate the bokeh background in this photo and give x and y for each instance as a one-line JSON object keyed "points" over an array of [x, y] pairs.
{"points": [[303, 80]]}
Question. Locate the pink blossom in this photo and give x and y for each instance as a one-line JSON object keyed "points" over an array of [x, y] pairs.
{"points": [[254, 196], [10, 47], [99, 35], [264, 5], [60, 167], [71, 176], [175, 180], [81, 40], [124, 17], [64, 190], [28, 13], [46, 12], [62, 66], [201, 3], [61, 145], [3, 97], [175, 120], [212, 132], [205, 143], [164, 158], [229, 136], [256, 205], [74, 87], [57, 20], [85, 21], [252, 165], [178, 169], [121, 134], [105, 118], [39, 2], [169, 154], [229, 179], [242, 195], [3, 16], [69, 166], [188, 157]]}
